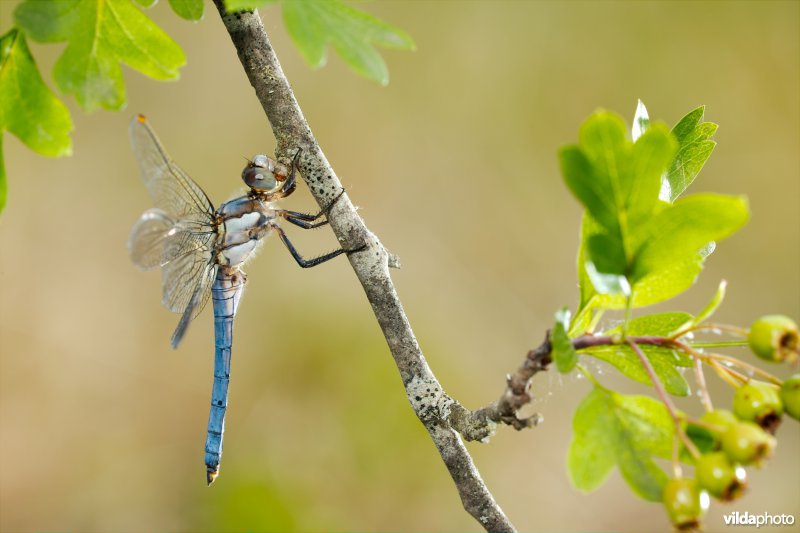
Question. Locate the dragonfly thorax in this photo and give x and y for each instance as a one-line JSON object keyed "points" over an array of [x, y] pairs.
{"points": [[245, 222]]}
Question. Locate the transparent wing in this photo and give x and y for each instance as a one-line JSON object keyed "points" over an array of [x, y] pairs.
{"points": [[171, 189], [178, 234], [184, 254]]}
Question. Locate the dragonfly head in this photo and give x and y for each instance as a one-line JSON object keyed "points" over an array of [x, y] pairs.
{"points": [[264, 175]]}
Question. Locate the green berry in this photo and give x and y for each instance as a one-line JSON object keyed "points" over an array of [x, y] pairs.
{"points": [[746, 443], [774, 338], [790, 395], [719, 420], [721, 478], [759, 402], [685, 503]]}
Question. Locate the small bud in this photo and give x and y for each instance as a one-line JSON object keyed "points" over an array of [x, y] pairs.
{"points": [[685, 503], [746, 443], [721, 478], [790, 395], [759, 402], [774, 338]]}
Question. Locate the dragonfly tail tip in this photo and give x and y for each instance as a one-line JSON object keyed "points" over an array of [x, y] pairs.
{"points": [[211, 475]]}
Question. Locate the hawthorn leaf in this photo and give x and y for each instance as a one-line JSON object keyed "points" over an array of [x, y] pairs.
{"points": [[3, 184], [353, 33], [28, 108], [232, 6], [641, 121], [657, 324], [617, 181], [187, 9], [101, 34], [686, 228], [663, 360], [712, 306], [695, 147], [563, 352], [627, 431]]}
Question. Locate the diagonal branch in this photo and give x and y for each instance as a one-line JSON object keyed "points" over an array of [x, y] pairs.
{"points": [[431, 404]]}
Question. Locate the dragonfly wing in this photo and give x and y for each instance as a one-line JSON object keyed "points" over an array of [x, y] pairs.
{"points": [[172, 190], [179, 234], [197, 301]]}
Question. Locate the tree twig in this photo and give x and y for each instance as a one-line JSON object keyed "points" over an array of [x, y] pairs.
{"points": [[431, 404]]}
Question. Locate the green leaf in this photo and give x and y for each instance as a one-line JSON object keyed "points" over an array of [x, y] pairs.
{"points": [[695, 147], [712, 306], [312, 24], [641, 121], [3, 184], [663, 360], [563, 352], [628, 431], [618, 182], [656, 325], [232, 6], [188, 9], [686, 227], [101, 35], [28, 109]]}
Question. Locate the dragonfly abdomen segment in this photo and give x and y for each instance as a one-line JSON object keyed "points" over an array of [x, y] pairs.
{"points": [[226, 292]]}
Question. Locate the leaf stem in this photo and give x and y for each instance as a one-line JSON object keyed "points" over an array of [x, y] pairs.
{"points": [[714, 328], [665, 399], [705, 397]]}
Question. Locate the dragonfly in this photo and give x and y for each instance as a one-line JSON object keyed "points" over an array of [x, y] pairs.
{"points": [[201, 250]]}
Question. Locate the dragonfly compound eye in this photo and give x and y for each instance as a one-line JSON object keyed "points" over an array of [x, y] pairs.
{"points": [[260, 179]]}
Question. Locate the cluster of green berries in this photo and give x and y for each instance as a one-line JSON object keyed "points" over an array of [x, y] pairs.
{"points": [[743, 437]]}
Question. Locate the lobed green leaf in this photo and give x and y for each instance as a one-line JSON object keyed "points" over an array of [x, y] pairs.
{"points": [[28, 108], [686, 228], [312, 24], [627, 431], [101, 34], [664, 361], [695, 147]]}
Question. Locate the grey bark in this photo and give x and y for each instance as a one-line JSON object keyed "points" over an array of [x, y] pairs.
{"points": [[435, 409]]}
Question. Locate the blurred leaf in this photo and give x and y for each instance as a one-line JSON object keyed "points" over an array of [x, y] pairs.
{"points": [[3, 184], [687, 226], [563, 352], [664, 363], [695, 147], [641, 121], [146, 3], [28, 108], [101, 35], [232, 6], [187, 9], [657, 325], [611, 429], [313, 24], [618, 182], [712, 306]]}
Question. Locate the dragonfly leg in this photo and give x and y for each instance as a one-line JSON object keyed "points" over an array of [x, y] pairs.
{"points": [[308, 263]]}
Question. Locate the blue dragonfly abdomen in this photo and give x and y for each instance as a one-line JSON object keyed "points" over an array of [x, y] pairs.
{"points": [[225, 294]]}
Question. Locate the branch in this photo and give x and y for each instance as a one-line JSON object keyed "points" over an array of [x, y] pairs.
{"points": [[428, 399]]}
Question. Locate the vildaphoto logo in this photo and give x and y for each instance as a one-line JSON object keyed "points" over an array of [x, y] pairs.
{"points": [[764, 519]]}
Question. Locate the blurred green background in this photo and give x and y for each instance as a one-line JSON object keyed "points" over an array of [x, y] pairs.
{"points": [[454, 166]]}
